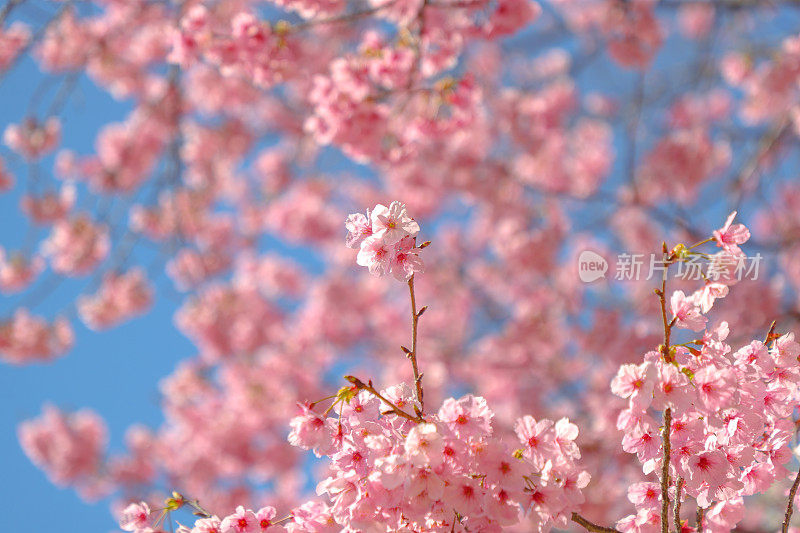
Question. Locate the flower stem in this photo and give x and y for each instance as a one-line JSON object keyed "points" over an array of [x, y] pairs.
{"points": [[677, 515], [360, 385], [790, 507], [590, 526], [412, 354], [665, 444]]}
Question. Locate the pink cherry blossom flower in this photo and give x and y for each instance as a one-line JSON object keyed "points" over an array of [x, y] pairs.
{"points": [[686, 312], [376, 255], [635, 382], [642, 441], [424, 445], [405, 259], [241, 521], [731, 235], [537, 439], [359, 228], [311, 431], [208, 525], [468, 417], [754, 356], [566, 432], [671, 390], [712, 386], [710, 292], [135, 517], [787, 350], [645, 495], [264, 517], [392, 223], [708, 467]]}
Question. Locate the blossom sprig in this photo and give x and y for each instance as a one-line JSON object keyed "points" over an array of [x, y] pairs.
{"points": [[386, 238], [450, 471], [138, 517], [726, 415], [359, 385]]}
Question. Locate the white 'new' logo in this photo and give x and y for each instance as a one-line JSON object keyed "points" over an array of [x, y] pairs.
{"points": [[591, 266]]}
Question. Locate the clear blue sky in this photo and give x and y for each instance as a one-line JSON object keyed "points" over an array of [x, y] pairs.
{"points": [[116, 373]]}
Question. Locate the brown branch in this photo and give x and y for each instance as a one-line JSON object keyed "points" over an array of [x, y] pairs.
{"points": [[412, 354], [360, 385], [701, 513], [590, 526], [677, 515], [790, 506], [665, 444]]}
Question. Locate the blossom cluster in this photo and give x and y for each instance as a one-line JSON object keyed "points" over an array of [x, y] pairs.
{"points": [[68, 446], [31, 139], [138, 517], [386, 238], [18, 271], [443, 472], [26, 337], [449, 470], [76, 245], [121, 296], [730, 411]]}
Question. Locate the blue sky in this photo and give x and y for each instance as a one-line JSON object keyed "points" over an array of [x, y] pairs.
{"points": [[115, 373]]}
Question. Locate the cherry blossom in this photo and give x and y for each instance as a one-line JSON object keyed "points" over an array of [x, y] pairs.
{"points": [[386, 239], [135, 517]]}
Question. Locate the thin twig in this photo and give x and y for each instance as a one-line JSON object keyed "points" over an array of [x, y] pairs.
{"points": [[677, 515], [790, 506], [590, 526], [665, 444], [412, 355], [701, 513], [360, 385]]}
